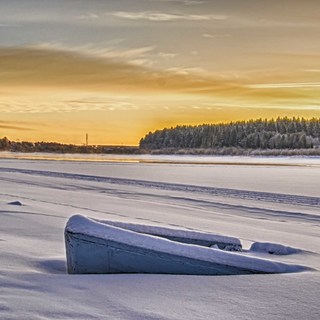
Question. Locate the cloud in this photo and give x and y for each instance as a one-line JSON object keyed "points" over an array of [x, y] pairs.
{"points": [[88, 16], [42, 73], [312, 70], [98, 52], [193, 2], [10, 25], [208, 35], [49, 68], [285, 85], [13, 126], [167, 54], [100, 105], [129, 53], [164, 17], [189, 71], [212, 36], [284, 23], [185, 2]]}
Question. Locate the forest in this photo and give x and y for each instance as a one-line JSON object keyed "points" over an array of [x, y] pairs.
{"points": [[280, 133], [54, 147], [281, 136]]}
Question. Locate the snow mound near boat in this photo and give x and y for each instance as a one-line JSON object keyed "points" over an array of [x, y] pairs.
{"points": [[95, 246], [273, 248]]}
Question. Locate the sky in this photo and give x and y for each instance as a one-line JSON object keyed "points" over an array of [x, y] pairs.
{"points": [[118, 69]]}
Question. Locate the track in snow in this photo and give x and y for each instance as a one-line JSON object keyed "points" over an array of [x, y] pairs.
{"points": [[225, 192]]}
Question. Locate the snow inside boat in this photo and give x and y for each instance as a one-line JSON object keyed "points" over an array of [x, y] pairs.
{"points": [[99, 247]]}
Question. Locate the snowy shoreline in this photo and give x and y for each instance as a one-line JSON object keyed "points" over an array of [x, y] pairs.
{"points": [[168, 159]]}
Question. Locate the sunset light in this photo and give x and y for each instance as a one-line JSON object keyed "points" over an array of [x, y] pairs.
{"points": [[119, 69]]}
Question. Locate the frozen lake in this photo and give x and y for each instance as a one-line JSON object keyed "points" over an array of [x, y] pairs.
{"points": [[253, 199]]}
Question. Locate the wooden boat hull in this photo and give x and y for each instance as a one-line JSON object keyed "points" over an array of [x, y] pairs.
{"points": [[95, 255], [100, 247]]}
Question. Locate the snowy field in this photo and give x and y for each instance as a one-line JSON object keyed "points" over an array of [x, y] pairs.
{"points": [[274, 200]]}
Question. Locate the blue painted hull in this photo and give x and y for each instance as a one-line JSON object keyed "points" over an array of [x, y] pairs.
{"points": [[87, 254], [99, 247]]}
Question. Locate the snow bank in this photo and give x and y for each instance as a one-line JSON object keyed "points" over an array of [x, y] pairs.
{"points": [[273, 248], [81, 225]]}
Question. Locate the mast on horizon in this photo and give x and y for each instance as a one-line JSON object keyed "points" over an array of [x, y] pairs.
{"points": [[87, 139]]}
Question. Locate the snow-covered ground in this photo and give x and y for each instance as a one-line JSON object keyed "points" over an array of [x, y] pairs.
{"points": [[253, 199]]}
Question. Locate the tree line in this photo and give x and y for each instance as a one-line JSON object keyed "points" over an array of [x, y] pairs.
{"points": [[223, 138], [280, 133], [54, 147]]}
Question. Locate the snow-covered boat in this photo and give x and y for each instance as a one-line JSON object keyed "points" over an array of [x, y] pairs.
{"points": [[96, 246]]}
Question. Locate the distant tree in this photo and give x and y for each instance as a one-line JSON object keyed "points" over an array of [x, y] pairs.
{"points": [[4, 143]]}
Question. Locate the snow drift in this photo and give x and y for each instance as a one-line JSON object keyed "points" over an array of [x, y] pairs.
{"points": [[273, 248]]}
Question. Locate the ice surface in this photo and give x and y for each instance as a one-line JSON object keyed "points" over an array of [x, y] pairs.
{"points": [[267, 203]]}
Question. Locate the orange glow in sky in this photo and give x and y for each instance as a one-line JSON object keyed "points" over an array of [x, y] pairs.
{"points": [[117, 69]]}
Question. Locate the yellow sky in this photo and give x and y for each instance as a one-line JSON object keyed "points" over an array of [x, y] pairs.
{"points": [[117, 74]]}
